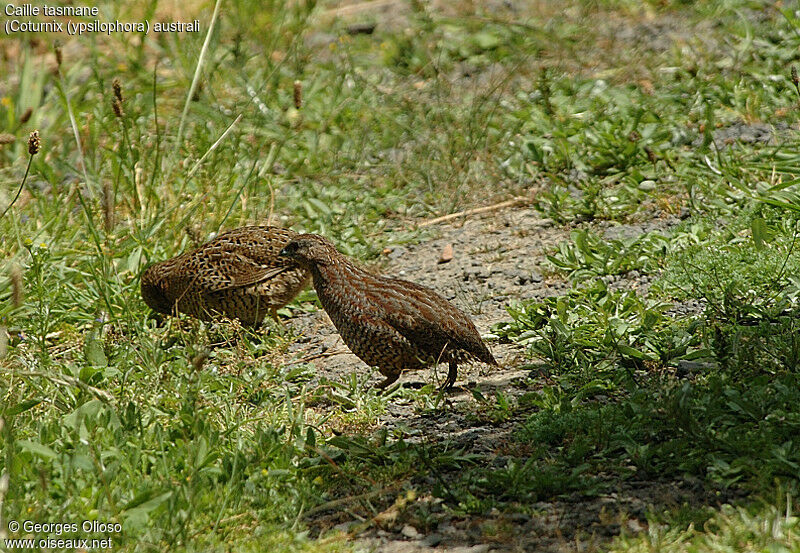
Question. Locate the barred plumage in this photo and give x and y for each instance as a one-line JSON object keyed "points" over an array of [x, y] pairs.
{"points": [[390, 323], [238, 274]]}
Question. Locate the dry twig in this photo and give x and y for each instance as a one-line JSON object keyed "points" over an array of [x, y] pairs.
{"points": [[518, 201]]}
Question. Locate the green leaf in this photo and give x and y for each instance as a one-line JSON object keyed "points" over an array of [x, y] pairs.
{"points": [[478, 395], [632, 352], [761, 234], [93, 350], [89, 409], [145, 501], [134, 260], [137, 517], [21, 407], [37, 449]]}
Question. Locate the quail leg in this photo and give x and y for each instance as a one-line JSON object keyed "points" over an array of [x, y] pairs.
{"points": [[390, 379], [273, 312], [452, 373], [279, 328]]}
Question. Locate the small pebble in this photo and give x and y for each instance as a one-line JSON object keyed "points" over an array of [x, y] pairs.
{"points": [[432, 540]]}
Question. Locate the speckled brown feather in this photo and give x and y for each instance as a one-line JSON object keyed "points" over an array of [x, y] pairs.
{"points": [[390, 323], [238, 274]]}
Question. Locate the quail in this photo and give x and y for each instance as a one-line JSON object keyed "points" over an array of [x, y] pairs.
{"points": [[238, 274], [390, 323]]}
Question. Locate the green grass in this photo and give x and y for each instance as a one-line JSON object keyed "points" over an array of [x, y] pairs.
{"points": [[770, 526], [107, 416]]}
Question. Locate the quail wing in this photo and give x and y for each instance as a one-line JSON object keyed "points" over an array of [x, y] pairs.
{"points": [[225, 269], [430, 321]]}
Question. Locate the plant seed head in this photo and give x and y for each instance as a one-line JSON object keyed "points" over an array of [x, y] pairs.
{"points": [[34, 143], [298, 94], [117, 87], [116, 105]]}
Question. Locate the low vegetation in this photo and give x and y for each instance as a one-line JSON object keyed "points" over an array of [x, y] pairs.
{"points": [[662, 137]]}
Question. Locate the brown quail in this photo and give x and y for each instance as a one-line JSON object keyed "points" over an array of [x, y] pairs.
{"points": [[238, 274], [390, 323]]}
